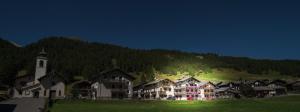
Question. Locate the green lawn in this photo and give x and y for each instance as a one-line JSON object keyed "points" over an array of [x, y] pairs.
{"points": [[279, 104]]}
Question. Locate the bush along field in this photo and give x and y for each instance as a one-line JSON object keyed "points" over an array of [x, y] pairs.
{"points": [[275, 104]]}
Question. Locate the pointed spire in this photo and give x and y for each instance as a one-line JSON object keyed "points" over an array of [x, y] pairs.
{"points": [[43, 53]]}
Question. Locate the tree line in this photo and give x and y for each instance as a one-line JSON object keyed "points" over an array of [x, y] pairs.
{"points": [[73, 57]]}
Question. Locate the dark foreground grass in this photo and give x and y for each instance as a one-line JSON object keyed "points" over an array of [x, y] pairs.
{"points": [[278, 104]]}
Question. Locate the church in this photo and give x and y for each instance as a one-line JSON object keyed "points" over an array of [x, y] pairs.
{"points": [[44, 83]]}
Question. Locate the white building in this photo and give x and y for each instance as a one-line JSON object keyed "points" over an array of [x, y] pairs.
{"points": [[158, 89], [190, 88], [42, 84], [112, 84]]}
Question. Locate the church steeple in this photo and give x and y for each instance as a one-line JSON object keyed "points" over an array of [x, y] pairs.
{"points": [[41, 65], [43, 53]]}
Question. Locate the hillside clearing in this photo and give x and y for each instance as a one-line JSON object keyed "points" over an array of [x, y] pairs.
{"points": [[226, 75]]}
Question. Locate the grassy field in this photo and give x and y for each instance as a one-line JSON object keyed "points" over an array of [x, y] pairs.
{"points": [[278, 104]]}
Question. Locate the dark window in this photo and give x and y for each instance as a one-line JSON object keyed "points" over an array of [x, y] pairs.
{"points": [[169, 89], [45, 92], [113, 86], [41, 63], [52, 83], [59, 93], [22, 83], [114, 95]]}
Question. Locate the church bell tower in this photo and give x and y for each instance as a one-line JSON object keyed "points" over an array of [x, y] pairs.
{"points": [[41, 66]]}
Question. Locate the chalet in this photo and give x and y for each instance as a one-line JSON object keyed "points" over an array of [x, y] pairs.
{"points": [[138, 91], [207, 91], [260, 88], [158, 89], [255, 83], [278, 82], [81, 89], [112, 84], [42, 84], [187, 89], [294, 86], [279, 87], [226, 92], [232, 85], [190, 88], [264, 91]]}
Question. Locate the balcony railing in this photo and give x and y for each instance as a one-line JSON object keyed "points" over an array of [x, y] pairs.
{"points": [[116, 89]]}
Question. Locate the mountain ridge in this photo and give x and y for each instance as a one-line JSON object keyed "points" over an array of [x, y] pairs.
{"points": [[73, 57]]}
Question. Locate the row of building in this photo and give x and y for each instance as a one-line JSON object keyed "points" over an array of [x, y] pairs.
{"points": [[49, 84], [117, 84], [190, 88]]}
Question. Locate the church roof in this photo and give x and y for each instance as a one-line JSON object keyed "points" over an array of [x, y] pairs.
{"points": [[52, 74]]}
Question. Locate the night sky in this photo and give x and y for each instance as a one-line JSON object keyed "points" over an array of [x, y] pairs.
{"points": [[258, 29]]}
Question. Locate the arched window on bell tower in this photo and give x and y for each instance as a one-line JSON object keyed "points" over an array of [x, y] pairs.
{"points": [[41, 64]]}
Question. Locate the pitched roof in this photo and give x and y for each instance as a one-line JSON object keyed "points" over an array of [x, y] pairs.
{"points": [[113, 70], [186, 78], [278, 81], [52, 74], [296, 83], [206, 82], [263, 88], [153, 82], [30, 87], [157, 81], [222, 89], [139, 86]]}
